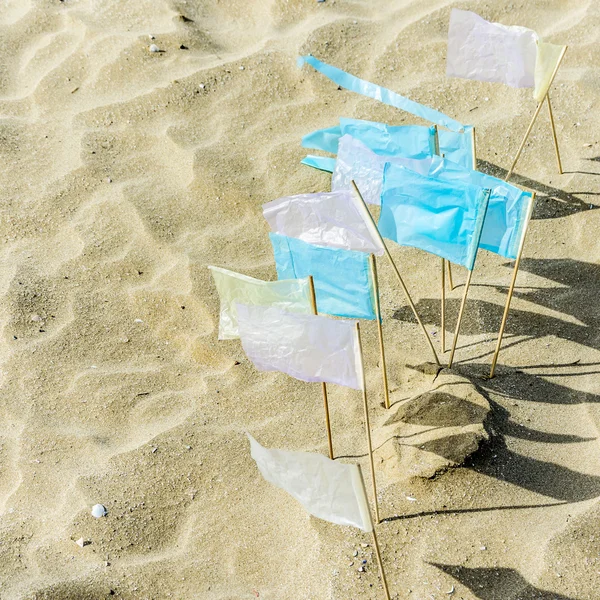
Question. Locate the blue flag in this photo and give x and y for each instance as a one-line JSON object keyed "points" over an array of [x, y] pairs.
{"points": [[506, 217], [343, 283], [410, 141], [440, 217]]}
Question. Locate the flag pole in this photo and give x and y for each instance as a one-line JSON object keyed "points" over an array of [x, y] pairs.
{"points": [[380, 330], [560, 169], [313, 303], [444, 304], [406, 292], [512, 286], [367, 424], [436, 151], [535, 115], [460, 315], [375, 543]]}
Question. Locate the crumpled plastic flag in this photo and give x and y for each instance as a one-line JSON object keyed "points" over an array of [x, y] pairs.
{"points": [[327, 489], [484, 51], [292, 295], [356, 162], [443, 218], [506, 217], [342, 278], [360, 86], [410, 141], [334, 219], [307, 347]]}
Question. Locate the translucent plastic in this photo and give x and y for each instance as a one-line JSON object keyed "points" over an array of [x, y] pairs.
{"points": [[307, 347], [548, 56], [444, 218], [356, 162], [327, 489], [342, 278], [330, 219], [487, 51], [365, 88], [292, 295]]}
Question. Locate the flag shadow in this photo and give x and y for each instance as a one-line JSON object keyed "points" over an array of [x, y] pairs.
{"points": [[551, 202], [498, 583]]}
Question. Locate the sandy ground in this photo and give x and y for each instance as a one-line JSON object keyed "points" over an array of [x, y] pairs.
{"points": [[125, 173]]}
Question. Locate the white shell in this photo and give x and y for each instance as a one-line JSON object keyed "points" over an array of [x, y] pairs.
{"points": [[80, 542], [154, 48], [98, 511]]}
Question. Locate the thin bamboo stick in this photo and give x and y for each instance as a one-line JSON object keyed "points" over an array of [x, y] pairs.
{"points": [[558, 161], [367, 215], [380, 331], [460, 315], [443, 307], [512, 286], [474, 145], [367, 424], [313, 302], [535, 115]]}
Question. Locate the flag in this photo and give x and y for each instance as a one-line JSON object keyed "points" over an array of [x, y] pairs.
{"points": [[292, 295], [327, 489], [440, 217], [484, 51], [307, 347], [333, 219], [409, 141], [342, 278], [506, 217], [355, 161]]}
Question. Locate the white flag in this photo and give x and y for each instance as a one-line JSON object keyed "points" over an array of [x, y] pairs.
{"points": [[334, 219], [307, 347], [356, 161], [290, 294], [327, 489]]}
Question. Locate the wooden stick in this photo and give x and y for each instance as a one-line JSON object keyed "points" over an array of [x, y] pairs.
{"points": [[380, 330], [460, 315], [443, 307], [474, 145], [375, 542], [450, 284], [313, 302], [367, 215], [558, 161], [512, 286], [535, 115], [367, 424]]}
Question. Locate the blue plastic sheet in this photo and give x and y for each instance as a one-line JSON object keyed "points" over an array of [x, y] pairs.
{"points": [[322, 163], [360, 86], [506, 217], [410, 141], [440, 217], [342, 278]]}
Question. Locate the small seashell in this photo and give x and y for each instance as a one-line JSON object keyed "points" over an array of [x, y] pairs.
{"points": [[98, 511], [154, 48], [36, 318], [81, 542], [201, 86]]}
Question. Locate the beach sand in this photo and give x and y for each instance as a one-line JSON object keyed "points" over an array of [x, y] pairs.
{"points": [[125, 173]]}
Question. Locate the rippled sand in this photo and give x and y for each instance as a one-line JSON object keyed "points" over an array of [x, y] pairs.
{"points": [[125, 173]]}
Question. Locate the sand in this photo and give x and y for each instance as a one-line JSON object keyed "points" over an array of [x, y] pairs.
{"points": [[125, 173]]}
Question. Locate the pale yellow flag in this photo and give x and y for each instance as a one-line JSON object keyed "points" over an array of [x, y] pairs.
{"points": [[546, 60]]}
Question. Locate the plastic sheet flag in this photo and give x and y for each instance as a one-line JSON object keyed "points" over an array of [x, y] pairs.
{"points": [[327, 489], [440, 217], [409, 141], [371, 90], [292, 295], [506, 217], [484, 51], [343, 283], [333, 219], [355, 162], [307, 347]]}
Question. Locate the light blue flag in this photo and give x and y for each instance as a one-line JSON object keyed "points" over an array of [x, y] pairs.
{"points": [[506, 217], [410, 141], [360, 86], [343, 283], [444, 218]]}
